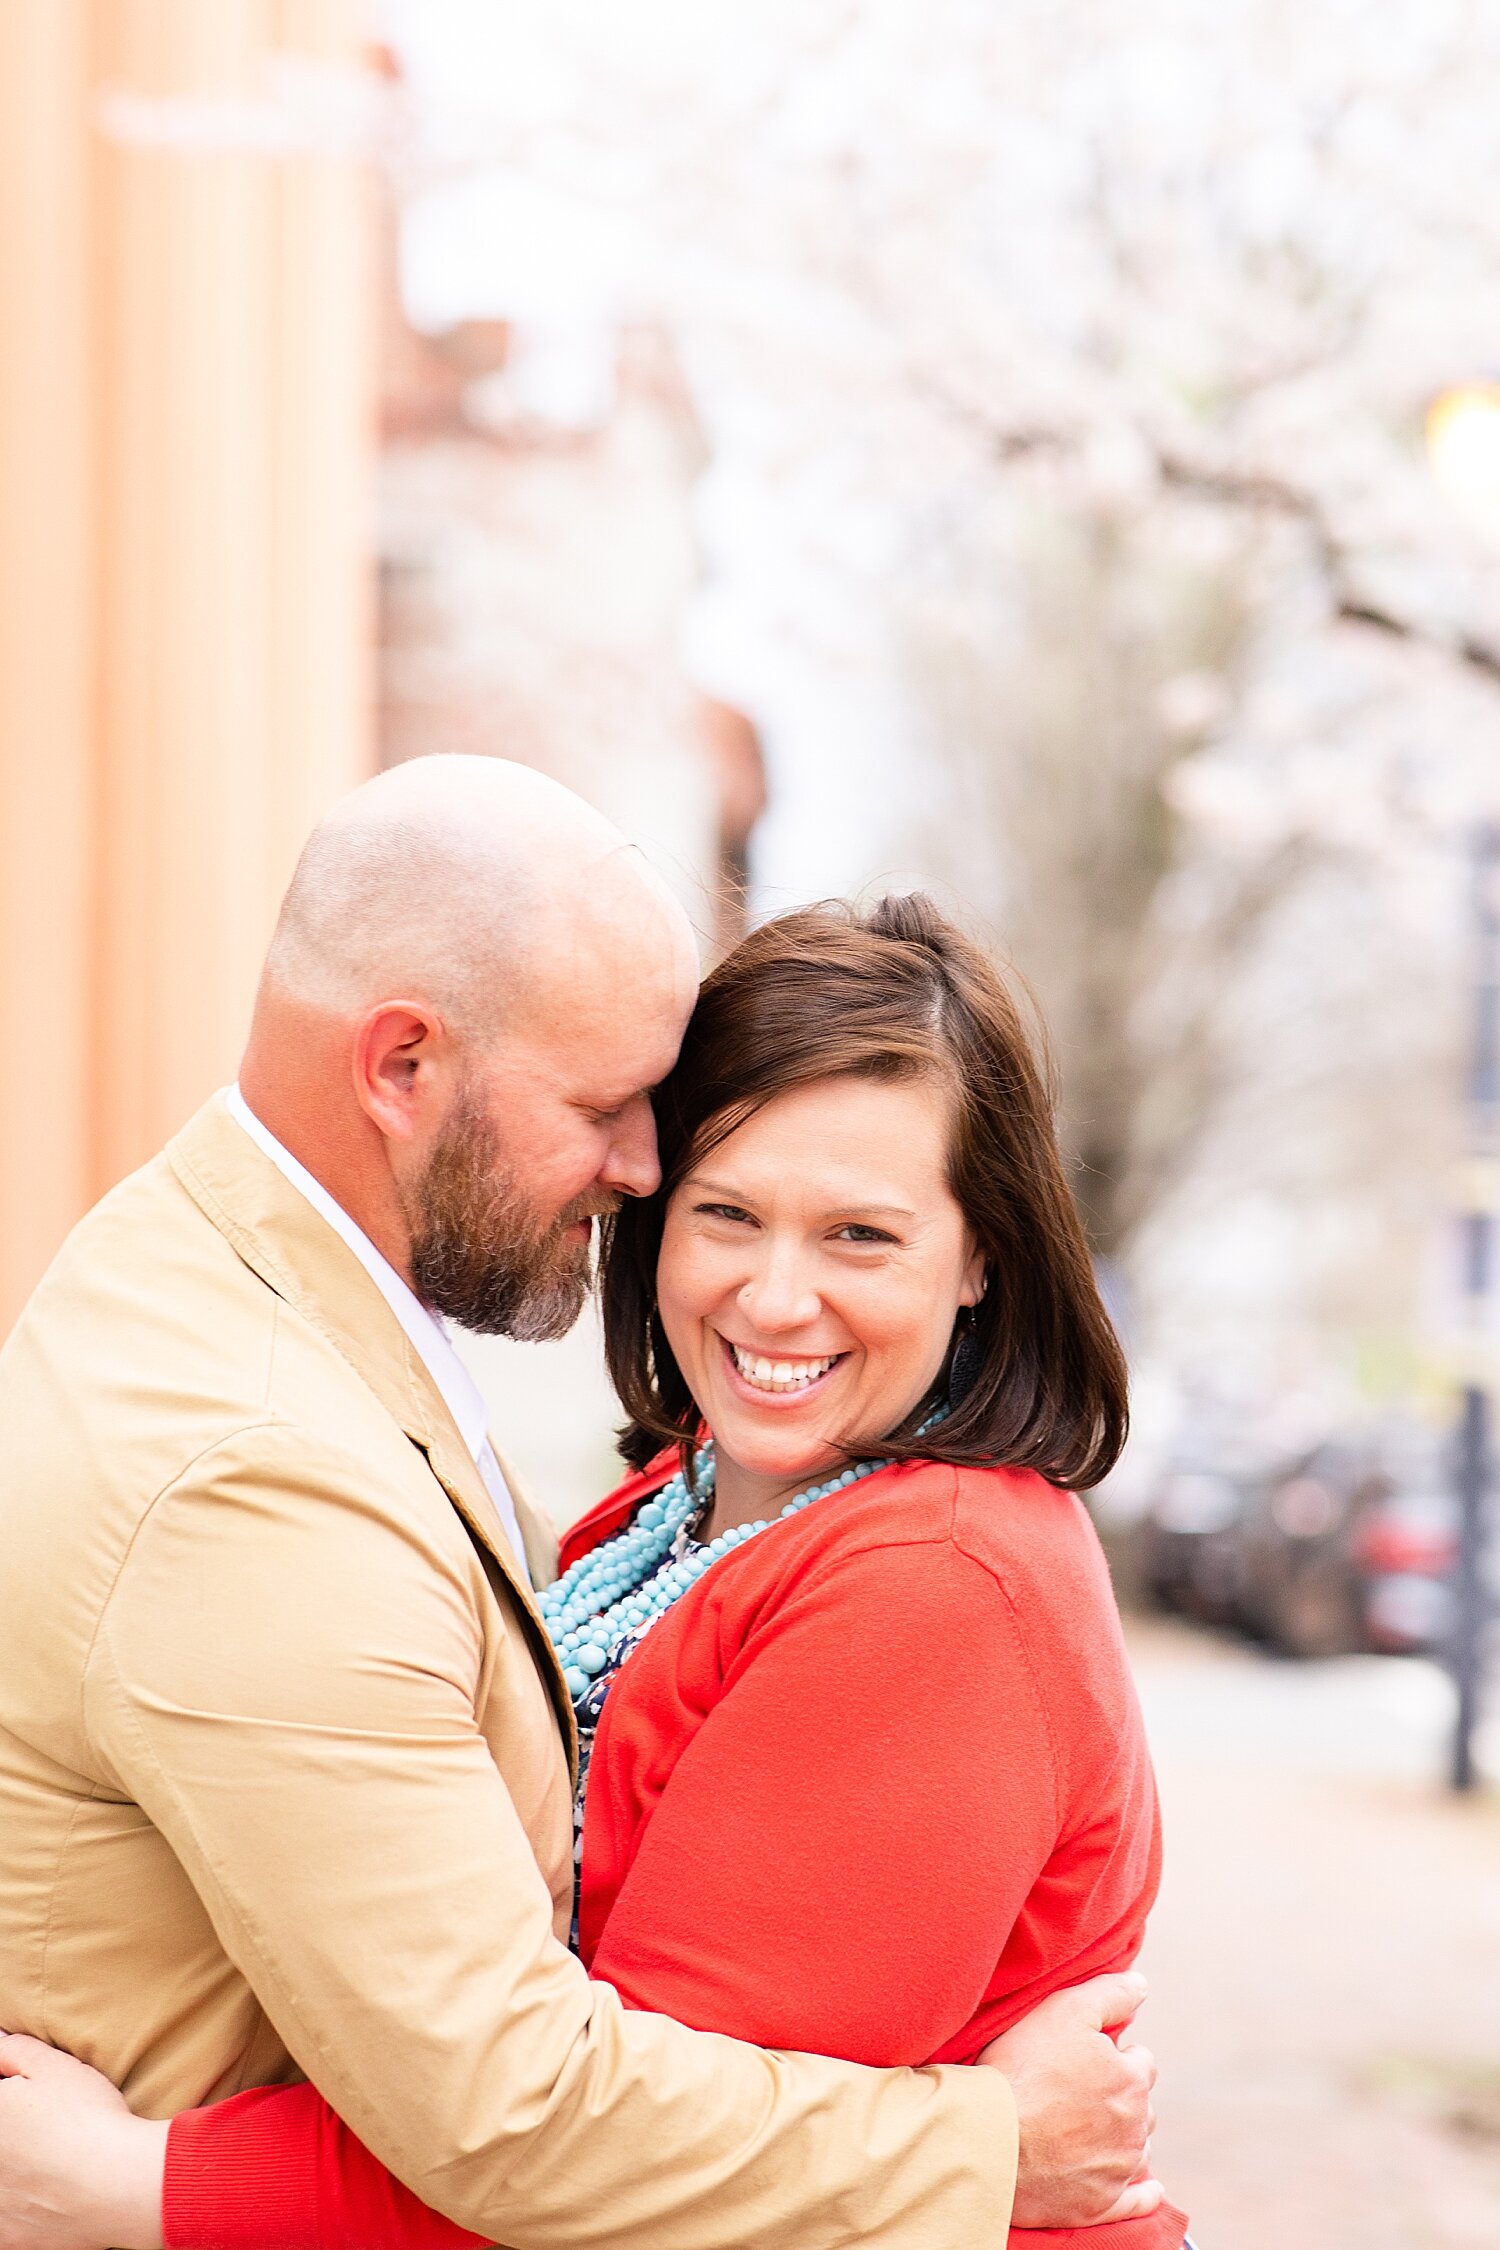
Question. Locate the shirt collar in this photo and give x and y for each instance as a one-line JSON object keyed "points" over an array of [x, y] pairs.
{"points": [[460, 1393]]}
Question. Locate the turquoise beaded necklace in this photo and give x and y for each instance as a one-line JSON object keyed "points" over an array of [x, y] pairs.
{"points": [[627, 1582]]}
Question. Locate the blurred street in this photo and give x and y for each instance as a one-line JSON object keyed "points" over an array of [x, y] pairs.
{"points": [[1325, 1958]]}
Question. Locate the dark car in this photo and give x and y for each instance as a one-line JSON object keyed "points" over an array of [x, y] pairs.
{"points": [[1190, 1557], [1302, 1581], [1349, 1545]]}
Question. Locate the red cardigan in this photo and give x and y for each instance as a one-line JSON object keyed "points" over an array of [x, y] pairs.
{"points": [[909, 1797]]}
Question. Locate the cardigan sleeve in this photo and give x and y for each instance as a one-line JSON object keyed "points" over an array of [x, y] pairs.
{"points": [[851, 1832], [275, 2169]]}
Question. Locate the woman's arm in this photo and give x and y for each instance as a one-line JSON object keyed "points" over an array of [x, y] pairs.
{"points": [[842, 1849], [275, 2169]]}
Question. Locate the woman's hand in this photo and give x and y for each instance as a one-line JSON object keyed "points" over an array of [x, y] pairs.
{"points": [[77, 2170]]}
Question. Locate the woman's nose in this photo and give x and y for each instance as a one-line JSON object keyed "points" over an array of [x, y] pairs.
{"points": [[779, 1295]]}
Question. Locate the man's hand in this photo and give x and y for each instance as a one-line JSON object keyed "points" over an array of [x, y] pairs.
{"points": [[77, 2170], [1085, 2107]]}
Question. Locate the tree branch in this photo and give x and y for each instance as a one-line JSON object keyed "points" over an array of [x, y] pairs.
{"points": [[1258, 493], [1355, 608]]}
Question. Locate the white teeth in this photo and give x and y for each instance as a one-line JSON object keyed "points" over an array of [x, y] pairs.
{"points": [[779, 1374]]}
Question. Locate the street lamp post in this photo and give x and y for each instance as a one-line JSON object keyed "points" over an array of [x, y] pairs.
{"points": [[1471, 1608], [1463, 447]]}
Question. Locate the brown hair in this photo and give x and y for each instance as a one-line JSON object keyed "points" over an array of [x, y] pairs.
{"points": [[895, 992]]}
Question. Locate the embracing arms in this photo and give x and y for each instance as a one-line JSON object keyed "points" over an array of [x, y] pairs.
{"points": [[286, 1682], [842, 2162], [276, 2169]]}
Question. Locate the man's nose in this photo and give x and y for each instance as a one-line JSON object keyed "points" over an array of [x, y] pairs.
{"points": [[632, 1166]]}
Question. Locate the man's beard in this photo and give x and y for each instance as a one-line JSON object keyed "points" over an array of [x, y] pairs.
{"points": [[479, 1255]]}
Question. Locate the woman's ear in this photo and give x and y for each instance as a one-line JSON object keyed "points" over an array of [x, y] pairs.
{"points": [[976, 1276]]}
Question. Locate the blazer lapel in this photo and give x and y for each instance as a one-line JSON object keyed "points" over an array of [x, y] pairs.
{"points": [[281, 1237], [537, 1532], [453, 1465]]}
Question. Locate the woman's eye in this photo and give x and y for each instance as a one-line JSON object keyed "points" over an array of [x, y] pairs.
{"points": [[856, 1233], [729, 1211]]}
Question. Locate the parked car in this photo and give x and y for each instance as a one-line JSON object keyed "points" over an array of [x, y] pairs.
{"points": [[1302, 1583], [1190, 1542], [1349, 1545], [1407, 1547]]}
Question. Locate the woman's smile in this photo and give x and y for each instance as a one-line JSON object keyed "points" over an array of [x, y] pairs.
{"points": [[779, 1378]]}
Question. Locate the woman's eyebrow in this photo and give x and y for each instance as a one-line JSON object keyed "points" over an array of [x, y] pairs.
{"points": [[871, 1211], [704, 1186]]}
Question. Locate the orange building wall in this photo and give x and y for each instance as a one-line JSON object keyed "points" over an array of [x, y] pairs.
{"points": [[187, 220]]}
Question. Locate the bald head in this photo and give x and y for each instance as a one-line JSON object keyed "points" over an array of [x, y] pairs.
{"points": [[457, 881], [473, 985]]}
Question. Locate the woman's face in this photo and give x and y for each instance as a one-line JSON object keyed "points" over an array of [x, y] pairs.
{"points": [[811, 1269]]}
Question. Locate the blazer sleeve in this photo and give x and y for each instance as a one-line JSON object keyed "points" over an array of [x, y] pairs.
{"points": [[321, 1778], [849, 1836]]}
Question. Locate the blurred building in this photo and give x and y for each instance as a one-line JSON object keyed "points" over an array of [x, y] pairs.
{"points": [[187, 228], [536, 556]]}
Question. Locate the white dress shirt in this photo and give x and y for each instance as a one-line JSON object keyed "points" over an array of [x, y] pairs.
{"points": [[429, 1338]]}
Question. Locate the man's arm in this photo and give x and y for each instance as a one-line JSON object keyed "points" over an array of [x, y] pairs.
{"points": [[285, 1681], [277, 2170]]}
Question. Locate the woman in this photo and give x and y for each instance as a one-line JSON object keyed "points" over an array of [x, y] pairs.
{"points": [[865, 1772]]}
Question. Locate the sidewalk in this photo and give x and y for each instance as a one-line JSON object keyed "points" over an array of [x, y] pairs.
{"points": [[1325, 1958]]}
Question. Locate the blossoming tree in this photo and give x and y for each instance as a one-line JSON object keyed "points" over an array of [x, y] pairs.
{"points": [[1070, 531]]}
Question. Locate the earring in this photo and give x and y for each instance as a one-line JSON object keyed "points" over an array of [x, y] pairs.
{"points": [[964, 1362]]}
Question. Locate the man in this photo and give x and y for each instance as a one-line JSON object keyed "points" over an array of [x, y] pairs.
{"points": [[283, 1748]]}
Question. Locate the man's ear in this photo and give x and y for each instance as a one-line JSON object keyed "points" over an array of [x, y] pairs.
{"points": [[398, 1053]]}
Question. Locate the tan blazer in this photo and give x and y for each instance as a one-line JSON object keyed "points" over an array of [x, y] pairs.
{"points": [[284, 1770]]}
